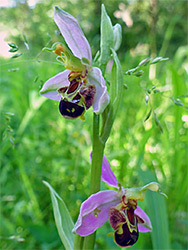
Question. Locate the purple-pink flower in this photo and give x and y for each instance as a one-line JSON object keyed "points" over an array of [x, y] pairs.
{"points": [[119, 207], [80, 85]]}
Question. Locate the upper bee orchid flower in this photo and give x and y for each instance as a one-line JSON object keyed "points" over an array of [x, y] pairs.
{"points": [[120, 207], [80, 85]]}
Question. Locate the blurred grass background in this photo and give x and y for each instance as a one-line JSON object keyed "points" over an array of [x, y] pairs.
{"points": [[38, 144]]}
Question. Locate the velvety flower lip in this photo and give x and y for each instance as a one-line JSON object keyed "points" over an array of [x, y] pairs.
{"points": [[95, 210], [72, 33], [91, 87]]}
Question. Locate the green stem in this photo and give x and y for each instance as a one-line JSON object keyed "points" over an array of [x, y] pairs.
{"points": [[97, 156], [78, 242]]}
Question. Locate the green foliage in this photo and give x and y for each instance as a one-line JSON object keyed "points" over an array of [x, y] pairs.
{"points": [[37, 143], [110, 113], [107, 38], [63, 219]]}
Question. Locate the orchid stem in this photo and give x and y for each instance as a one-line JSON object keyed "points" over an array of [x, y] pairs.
{"points": [[96, 167], [78, 242], [97, 156]]}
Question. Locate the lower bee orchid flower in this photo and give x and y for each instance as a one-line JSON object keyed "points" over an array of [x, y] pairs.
{"points": [[119, 207]]}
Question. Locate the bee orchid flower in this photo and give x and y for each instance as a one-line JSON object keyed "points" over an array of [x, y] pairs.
{"points": [[80, 85], [119, 207]]}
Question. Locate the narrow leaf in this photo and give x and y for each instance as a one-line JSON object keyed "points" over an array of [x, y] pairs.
{"points": [[25, 41], [158, 122], [16, 55], [13, 50], [148, 115], [116, 82], [97, 56], [36, 79], [116, 88], [107, 38], [157, 211], [13, 45], [117, 36], [63, 219]]}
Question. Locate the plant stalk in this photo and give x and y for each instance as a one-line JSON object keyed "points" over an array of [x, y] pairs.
{"points": [[96, 167], [78, 242]]}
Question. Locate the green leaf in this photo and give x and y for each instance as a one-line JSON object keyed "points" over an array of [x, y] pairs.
{"points": [[12, 50], [107, 37], [63, 219], [116, 82], [16, 55], [157, 122], [157, 211], [13, 45], [97, 55], [148, 115], [117, 36], [116, 89]]}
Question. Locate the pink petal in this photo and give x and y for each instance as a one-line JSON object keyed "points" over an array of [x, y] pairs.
{"points": [[107, 175], [72, 34], [146, 226], [51, 86], [102, 97], [94, 211]]}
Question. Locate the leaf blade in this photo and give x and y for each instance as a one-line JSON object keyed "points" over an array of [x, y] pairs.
{"points": [[156, 206], [107, 37], [64, 223]]}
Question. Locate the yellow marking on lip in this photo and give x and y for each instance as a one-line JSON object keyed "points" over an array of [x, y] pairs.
{"points": [[82, 117]]}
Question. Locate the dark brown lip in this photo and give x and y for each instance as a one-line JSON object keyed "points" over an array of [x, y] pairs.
{"points": [[70, 110]]}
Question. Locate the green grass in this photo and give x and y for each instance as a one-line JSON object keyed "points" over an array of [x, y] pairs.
{"points": [[38, 144]]}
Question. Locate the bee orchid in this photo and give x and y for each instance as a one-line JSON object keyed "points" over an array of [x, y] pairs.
{"points": [[119, 207], [80, 85]]}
